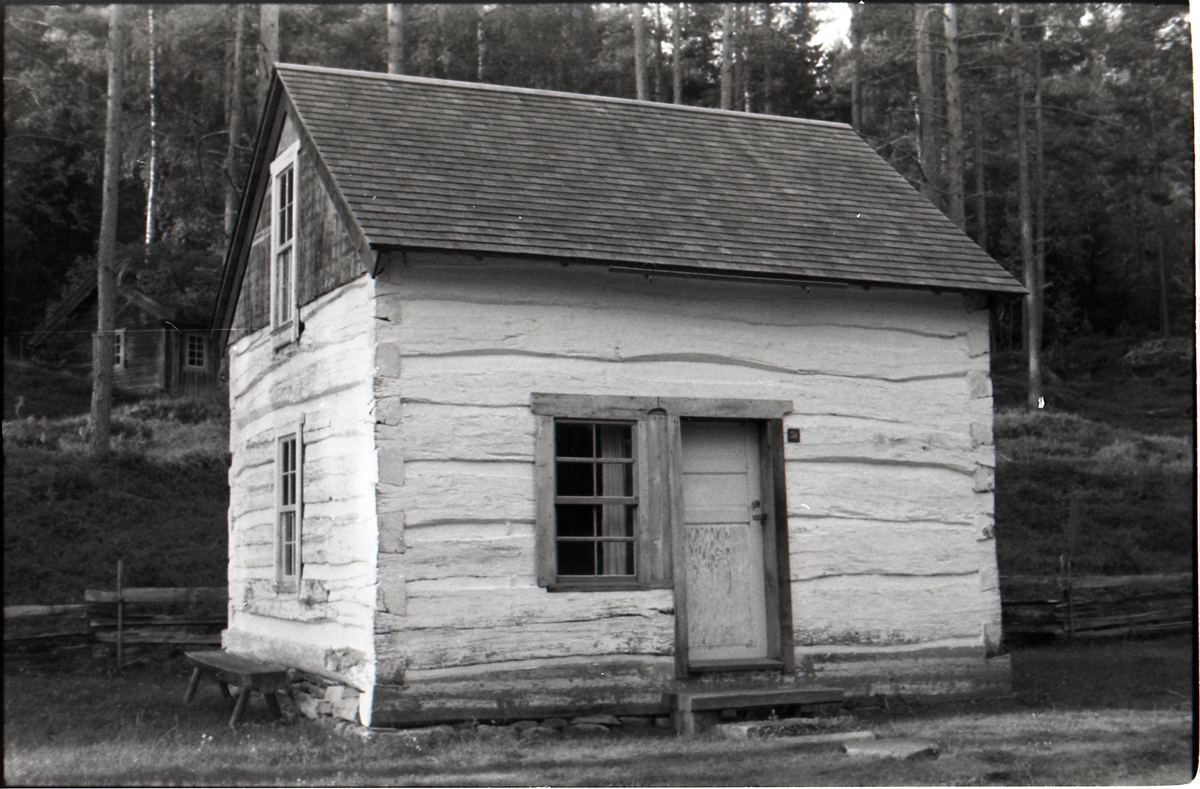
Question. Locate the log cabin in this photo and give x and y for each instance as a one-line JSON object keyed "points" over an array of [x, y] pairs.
{"points": [[546, 403], [157, 348]]}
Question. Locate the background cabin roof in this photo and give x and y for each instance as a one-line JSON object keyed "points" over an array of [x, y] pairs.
{"points": [[434, 164]]}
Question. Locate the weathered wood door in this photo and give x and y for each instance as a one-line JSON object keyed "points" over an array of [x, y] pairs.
{"points": [[722, 517]]}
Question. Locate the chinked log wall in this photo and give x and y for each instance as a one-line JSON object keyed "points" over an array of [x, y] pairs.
{"points": [[889, 491]]}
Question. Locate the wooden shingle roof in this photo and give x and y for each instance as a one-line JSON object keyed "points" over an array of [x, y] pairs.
{"points": [[425, 163]]}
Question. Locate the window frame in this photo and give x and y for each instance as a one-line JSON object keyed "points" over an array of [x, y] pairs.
{"points": [[289, 506], [187, 351], [285, 292], [120, 349]]}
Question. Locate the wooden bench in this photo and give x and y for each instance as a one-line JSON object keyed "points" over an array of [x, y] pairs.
{"points": [[244, 673]]}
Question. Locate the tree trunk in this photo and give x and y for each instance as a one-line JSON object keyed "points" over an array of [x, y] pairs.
{"points": [[1164, 318], [480, 44], [1039, 186], [660, 88], [236, 121], [268, 49], [395, 38], [676, 56], [768, 103], [1033, 300], [727, 57], [925, 121], [856, 97], [981, 225], [102, 346], [954, 122], [639, 51], [152, 56]]}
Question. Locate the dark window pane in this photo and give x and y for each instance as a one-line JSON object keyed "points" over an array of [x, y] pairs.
{"points": [[577, 558], [572, 440], [576, 479], [576, 520]]}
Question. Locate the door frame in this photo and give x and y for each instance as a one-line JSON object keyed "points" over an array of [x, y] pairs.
{"points": [[768, 415]]}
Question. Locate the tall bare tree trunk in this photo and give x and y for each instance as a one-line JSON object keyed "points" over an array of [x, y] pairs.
{"points": [[236, 121], [768, 105], [639, 51], [480, 44], [925, 106], [395, 38], [1164, 318], [727, 57], [102, 345], [1039, 186], [152, 53], [954, 122], [676, 55], [981, 228], [268, 49], [660, 88], [856, 97], [1033, 299]]}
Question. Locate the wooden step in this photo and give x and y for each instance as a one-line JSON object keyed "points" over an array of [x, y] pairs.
{"points": [[687, 703]]}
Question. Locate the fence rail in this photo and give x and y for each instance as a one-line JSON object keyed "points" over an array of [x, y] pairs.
{"points": [[135, 615], [1098, 606]]}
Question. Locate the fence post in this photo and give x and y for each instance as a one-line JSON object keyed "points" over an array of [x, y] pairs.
{"points": [[120, 612]]}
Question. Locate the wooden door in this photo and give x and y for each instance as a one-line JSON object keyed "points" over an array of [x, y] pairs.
{"points": [[723, 550]]}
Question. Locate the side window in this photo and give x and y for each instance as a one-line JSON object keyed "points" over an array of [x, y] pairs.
{"points": [[285, 323], [595, 500], [289, 494], [119, 349], [196, 348], [600, 469]]}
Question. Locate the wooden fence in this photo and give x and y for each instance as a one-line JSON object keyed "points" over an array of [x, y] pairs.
{"points": [[136, 615], [1098, 606]]}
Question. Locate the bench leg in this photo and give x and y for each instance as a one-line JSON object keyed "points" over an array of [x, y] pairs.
{"points": [[243, 697], [192, 685], [224, 686], [273, 705]]}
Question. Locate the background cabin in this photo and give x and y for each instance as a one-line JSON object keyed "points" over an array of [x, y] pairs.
{"points": [[155, 351], [546, 403]]}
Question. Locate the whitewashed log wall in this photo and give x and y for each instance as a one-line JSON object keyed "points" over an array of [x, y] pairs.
{"points": [[889, 490], [324, 379]]}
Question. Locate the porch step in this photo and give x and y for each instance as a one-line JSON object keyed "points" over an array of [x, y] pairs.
{"points": [[685, 704]]}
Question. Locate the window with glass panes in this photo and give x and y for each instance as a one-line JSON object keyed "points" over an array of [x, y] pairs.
{"points": [[284, 203], [195, 350], [595, 501], [287, 541]]}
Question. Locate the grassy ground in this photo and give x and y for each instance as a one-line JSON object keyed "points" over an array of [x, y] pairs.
{"points": [[1115, 713], [159, 501]]}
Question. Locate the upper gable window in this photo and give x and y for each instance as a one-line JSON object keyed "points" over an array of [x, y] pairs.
{"points": [[285, 314]]}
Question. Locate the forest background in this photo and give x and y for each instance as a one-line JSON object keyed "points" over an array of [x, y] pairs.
{"points": [[1096, 100]]}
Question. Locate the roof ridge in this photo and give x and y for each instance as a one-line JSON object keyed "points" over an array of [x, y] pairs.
{"points": [[492, 87]]}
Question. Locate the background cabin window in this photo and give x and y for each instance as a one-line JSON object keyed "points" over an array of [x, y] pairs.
{"points": [[288, 499], [595, 502], [283, 246], [119, 349], [195, 350]]}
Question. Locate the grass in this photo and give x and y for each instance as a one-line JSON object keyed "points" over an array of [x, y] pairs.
{"points": [[1115, 713], [159, 501], [40, 392]]}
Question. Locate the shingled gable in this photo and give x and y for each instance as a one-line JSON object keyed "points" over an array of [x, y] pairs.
{"points": [[433, 164]]}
